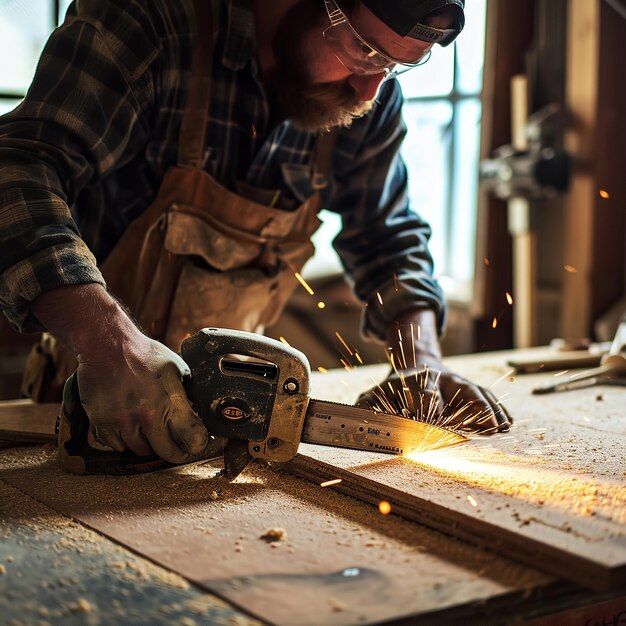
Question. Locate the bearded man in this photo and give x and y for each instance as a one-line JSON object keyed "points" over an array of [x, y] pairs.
{"points": [[164, 174]]}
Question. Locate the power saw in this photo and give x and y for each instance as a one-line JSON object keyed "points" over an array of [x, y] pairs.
{"points": [[253, 395]]}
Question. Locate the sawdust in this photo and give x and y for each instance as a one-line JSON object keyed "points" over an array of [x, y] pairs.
{"points": [[83, 606], [274, 534]]}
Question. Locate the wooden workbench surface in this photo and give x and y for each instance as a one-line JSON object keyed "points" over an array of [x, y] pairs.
{"points": [[339, 561]]}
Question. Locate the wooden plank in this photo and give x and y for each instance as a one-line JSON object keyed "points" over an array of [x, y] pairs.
{"points": [[24, 421], [339, 563], [57, 571], [582, 59], [551, 493]]}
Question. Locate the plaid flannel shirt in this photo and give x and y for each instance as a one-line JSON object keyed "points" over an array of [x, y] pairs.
{"points": [[85, 151]]}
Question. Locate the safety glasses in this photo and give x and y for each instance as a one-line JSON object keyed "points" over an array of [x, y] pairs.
{"points": [[358, 55]]}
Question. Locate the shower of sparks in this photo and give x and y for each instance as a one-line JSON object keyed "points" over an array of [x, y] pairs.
{"points": [[380, 298], [322, 369], [321, 305], [384, 507], [284, 341], [502, 378], [472, 501], [345, 345], [494, 323], [604, 194], [570, 269], [304, 283], [330, 483], [509, 298]]}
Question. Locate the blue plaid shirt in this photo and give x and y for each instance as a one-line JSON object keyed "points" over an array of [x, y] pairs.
{"points": [[86, 150]]}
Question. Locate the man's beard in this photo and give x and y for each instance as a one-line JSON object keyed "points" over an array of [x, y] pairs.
{"points": [[311, 106]]}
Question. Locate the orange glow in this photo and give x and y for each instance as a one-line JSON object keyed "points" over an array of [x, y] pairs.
{"points": [[384, 507], [604, 194]]}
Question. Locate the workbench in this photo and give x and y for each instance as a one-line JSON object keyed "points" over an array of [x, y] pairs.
{"points": [[183, 546]]}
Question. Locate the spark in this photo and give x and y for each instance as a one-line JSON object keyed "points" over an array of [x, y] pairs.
{"points": [[494, 323], [284, 341], [380, 298], [253, 131], [384, 507], [345, 345], [395, 280], [586, 418], [570, 269], [560, 373], [322, 369], [358, 358], [552, 445], [321, 305], [346, 365], [304, 283], [604, 194], [330, 483], [502, 378], [509, 298], [486, 261], [472, 501]]}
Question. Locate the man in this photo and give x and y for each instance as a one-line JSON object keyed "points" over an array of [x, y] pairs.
{"points": [[194, 166]]}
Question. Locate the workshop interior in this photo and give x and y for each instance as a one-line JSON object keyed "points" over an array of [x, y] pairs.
{"points": [[515, 153]]}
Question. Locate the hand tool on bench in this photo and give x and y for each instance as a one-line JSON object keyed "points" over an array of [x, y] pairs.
{"points": [[254, 392], [611, 371]]}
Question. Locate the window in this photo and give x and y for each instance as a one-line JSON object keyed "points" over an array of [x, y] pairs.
{"points": [[24, 28], [442, 113]]}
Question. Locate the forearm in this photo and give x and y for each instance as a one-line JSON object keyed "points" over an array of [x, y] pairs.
{"points": [[86, 318], [413, 337]]}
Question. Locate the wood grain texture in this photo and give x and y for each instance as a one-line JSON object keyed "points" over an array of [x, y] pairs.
{"points": [[551, 493], [24, 421], [339, 563]]}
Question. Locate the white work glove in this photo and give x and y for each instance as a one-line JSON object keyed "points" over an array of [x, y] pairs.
{"points": [[134, 398]]}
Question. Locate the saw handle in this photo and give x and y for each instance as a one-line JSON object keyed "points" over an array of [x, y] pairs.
{"points": [[78, 452]]}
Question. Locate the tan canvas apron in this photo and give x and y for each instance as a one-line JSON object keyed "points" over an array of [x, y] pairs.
{"points": [[202, 255]]}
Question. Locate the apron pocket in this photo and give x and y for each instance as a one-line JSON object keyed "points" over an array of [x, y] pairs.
{"points": [[194, 236], [236, 299]]}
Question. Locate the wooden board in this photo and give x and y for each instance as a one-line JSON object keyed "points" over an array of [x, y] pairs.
{"points": [[24, 421], [340, 563], [551, 493]]}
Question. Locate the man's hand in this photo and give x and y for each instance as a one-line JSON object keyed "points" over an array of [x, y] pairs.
{"points": [[421, 387], [436, 395], [135, 399], [130, 385]]}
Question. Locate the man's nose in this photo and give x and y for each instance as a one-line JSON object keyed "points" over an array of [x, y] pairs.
{"points": [[366, 85]]}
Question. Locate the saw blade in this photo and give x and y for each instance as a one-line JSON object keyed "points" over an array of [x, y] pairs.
{"points": [[334, 424]]}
